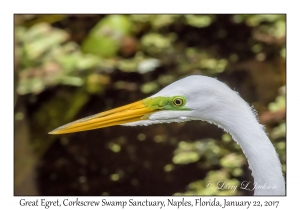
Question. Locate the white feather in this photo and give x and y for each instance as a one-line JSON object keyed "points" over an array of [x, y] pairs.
{"points": [[213, 101]]}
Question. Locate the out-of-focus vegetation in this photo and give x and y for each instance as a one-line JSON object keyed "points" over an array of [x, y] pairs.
{"points": [[71, 66]]}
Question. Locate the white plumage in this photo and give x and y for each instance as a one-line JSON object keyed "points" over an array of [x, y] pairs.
{"points": [[213, 101], [200, 98]]}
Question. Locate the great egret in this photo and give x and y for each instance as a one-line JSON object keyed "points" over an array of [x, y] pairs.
{"points": [[200, 98]]}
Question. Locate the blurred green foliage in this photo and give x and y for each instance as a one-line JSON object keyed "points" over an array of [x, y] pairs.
{"points": [[105, 38], [159, 49], [199, 21], [48, 60]]}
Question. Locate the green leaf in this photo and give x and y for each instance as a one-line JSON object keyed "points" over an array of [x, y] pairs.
{"points": [[105, 38], [199, 21]]}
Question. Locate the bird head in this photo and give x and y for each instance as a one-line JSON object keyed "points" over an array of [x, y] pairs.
{"points": [[191, 98]]}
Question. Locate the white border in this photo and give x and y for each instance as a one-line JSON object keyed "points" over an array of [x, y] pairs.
{"points": [[8, 8]]}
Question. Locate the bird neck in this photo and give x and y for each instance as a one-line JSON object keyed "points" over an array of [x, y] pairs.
{"points": [[259, 151]]}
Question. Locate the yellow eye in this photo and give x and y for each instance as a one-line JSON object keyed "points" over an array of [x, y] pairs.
{"points": [[178, 101]]}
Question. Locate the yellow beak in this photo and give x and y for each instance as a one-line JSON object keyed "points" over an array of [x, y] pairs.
{"points": [[125, 114]]}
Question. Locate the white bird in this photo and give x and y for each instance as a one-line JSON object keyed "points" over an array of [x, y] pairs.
{"points": [[200, 98]]}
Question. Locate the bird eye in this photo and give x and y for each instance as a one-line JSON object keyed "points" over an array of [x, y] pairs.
{"points": [[178, 101]]}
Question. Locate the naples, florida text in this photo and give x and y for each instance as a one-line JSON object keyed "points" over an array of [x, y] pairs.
{"points": [[160, 202]]}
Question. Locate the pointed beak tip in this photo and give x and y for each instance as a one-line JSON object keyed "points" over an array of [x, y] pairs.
{"points": [[55, 131], [129, 113]]}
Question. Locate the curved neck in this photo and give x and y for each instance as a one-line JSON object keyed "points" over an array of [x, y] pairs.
{"points": [[263, 160], [258, 149]]}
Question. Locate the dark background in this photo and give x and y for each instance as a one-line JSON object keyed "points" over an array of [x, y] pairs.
{"points": [[71, 66]]}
